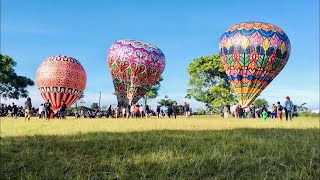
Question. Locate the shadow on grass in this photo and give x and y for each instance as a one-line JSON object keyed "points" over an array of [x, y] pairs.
{"points": [[226, 154]]}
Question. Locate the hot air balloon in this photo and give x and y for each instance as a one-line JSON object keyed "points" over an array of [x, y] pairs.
{"points": [[253, 54], [135, 67], [61, 78]]}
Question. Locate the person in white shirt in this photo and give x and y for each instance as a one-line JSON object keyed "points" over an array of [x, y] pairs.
{"points": [[41, 111], [116, 112], [233, 109], [123, 112]]}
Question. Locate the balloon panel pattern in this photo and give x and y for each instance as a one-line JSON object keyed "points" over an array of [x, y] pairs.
{"points": [[61, 78], [252, 55], [135, 67]]}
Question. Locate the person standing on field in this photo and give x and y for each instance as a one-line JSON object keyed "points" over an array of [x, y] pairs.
{"points": [[252, 110], [63, 109], [169, 110], [123, 112], [14, 111], [136, 111], [175, 110], [109, 113], [141, 111], [288, 108], [27, 109], [41, 111], [226, 112], [47, 109], [186, 109], [158, 111], [264, 115], [279, 110], [129, 111], [273, 111], [147, 111]]}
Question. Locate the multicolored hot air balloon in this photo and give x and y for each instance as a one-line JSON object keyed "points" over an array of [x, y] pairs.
{"points": [[135, 67], [61, 78], [253, 54]]}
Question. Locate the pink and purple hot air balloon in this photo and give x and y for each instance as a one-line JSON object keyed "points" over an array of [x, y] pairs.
{"points": [[135, 67]]}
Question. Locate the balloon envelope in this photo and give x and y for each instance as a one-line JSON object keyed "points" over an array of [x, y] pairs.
{"points": [[135, 67], [61, 78], [253, 54]]}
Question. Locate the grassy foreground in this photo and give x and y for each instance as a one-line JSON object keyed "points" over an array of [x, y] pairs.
{"points": [[196, 148]]}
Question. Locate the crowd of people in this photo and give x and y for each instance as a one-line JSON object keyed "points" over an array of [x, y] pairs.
{"points": [[12, 110], [277, 110], [45, 111], [136, 111]]}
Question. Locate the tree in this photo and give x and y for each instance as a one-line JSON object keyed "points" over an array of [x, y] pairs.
{"points": [[95, 106], [11, 85], [201, 111], [166, 101], [153, 92], [74, 109], [260, 102], [209, 83], [181, 109]]}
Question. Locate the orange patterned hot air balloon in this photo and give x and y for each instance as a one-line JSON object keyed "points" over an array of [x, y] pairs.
{"points": [[61, 78], [253, 54]]}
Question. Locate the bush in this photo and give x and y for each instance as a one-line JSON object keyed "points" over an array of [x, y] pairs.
{"points": [[308, 114], [201, 112]]}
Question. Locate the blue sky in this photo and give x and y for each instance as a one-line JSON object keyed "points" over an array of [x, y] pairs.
{"points": [[33, 30]]}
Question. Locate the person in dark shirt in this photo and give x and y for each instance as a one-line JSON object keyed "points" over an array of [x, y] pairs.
{"points": [[169, 111], [47, 109], [109, 113], [240, 112], [63, 109], [158, 111], [175, 110], [27, 109], [147, 111], [14, 110]]}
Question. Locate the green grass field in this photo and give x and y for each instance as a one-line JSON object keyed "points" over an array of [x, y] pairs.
{"points": [[200, 147]]}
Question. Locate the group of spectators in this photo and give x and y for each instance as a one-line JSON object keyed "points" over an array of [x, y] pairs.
{"points": [[44, 111], [276, 111], [135, 111], [12, 110]]}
